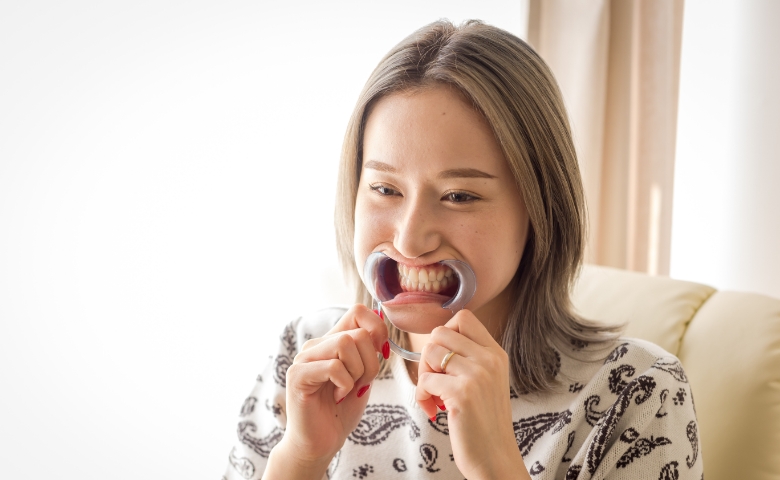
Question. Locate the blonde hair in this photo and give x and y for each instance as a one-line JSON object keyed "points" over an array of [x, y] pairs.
{"points": [[505, 79]]}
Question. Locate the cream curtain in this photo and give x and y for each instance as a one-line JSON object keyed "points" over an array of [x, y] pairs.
{"points": [[617, 63]]}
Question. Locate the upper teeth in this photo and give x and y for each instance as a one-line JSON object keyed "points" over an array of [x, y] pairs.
{"points": [[432, 278]]}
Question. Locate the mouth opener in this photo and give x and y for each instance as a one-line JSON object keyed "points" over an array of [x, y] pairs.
{"points": [[373, 277]]}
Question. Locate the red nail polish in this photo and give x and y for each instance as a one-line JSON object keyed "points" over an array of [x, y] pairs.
{"points": [[433, 419], [376, 312], [386, 350], [442, 407], [363, 390], [342, 399]]}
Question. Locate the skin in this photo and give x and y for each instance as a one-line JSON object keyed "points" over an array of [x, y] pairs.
{"points": [[434, 186]]}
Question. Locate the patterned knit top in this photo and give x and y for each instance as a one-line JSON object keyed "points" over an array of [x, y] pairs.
{"points": [[627, 413]]}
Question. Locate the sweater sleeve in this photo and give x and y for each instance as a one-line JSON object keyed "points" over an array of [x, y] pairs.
{"points": [[262, 419], [263, 416], [650, 431]]}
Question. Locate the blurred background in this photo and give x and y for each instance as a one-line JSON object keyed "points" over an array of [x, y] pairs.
{"points": [[167, 176]]}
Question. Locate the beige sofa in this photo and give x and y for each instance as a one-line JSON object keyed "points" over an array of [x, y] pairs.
{"points": [[729, 344]]}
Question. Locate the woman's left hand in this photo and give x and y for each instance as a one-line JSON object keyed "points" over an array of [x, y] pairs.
{"points": [[475, 391]]}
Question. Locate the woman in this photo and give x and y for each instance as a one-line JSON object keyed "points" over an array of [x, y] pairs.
{"points": [[459, 148]]}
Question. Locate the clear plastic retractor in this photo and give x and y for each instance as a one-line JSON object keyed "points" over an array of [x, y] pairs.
{"points": [[376, 273]]}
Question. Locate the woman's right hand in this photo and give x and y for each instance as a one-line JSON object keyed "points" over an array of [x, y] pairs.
{"points": [[328, 389]]}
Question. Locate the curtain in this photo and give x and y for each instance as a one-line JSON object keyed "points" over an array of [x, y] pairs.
{"points": [[617, 63]]}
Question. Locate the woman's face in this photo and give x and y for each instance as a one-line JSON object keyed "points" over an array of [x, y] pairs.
{"points": [[434, 186]]}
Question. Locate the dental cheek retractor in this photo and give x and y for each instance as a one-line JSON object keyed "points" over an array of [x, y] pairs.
{"points": [[380, 277]]}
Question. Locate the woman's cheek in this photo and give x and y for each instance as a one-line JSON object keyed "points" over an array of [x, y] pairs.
{"points": [[369, 223]]}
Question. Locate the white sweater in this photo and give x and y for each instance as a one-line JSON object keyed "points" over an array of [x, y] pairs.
{"points": [[630, 416]]}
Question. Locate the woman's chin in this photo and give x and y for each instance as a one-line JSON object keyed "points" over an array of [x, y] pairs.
{"points": [[420, 317]]}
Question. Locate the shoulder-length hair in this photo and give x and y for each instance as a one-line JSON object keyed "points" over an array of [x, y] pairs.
{"points": [[507, 81]]}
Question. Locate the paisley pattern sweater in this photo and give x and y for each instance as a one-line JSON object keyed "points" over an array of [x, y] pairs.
{"points": [[625, 413]]}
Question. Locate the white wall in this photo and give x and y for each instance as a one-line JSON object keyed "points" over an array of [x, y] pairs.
{"points": [[167, 174], [726, 225]]}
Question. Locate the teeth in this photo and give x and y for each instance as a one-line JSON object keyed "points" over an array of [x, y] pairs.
{"points": [[433, 278], [423, 276], [412, 274]]}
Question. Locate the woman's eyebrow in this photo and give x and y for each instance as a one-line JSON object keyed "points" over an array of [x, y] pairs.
{"points": [[465, 173], [381, 166], [452, 173]]}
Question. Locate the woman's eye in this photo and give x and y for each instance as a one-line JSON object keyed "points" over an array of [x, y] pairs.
{"points": [[460, 197], [383, 190]]}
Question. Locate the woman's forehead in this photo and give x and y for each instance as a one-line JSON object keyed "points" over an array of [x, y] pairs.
{"points": [[433, 129]]}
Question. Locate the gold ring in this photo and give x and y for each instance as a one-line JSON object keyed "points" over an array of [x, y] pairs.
{"points": [[446, 360]]}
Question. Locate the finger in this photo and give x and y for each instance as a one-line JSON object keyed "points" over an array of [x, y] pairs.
{"points": [[433, 355], [425, 365], [311, 376], [368, 356], [354, 348], [468, 325], [342, 347], [456, 364], [469, 358], [360, 316], [431, 390], [451, 340], [442, 341]]}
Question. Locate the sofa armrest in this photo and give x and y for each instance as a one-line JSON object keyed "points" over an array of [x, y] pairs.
{"points": [[731, 354]]}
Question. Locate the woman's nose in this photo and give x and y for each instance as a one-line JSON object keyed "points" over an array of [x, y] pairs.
{"points": [[417, 231]]}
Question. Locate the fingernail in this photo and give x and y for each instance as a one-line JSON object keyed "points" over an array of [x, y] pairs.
{"points": [[442, 407], [363, 390], [342, 399], [433, 419], [386, 350], [376, 312]]}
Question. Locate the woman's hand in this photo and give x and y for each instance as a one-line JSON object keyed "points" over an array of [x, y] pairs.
{"points": [[474, 388], [327, 391]]}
